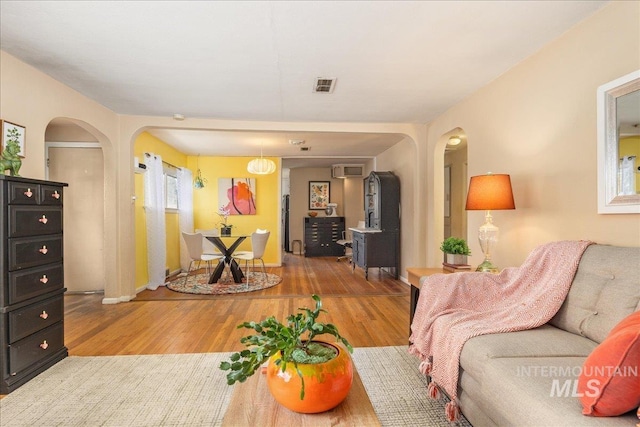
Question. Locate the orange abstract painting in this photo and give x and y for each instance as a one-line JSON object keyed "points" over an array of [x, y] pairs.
{"points": [[237, 195]]}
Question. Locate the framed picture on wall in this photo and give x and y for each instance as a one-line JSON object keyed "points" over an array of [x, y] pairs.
{"points": [[319, 192], [13, 132], [237, 195]]}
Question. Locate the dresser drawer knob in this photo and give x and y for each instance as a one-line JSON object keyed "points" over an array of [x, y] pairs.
{"points": [[44, 279], [28, 193], [44, 315], [44, 345], [43, 250], [55, 195], [44, 219]]}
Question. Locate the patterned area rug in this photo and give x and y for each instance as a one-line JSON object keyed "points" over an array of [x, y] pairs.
{"points": [[197, 284], [190, 390]]}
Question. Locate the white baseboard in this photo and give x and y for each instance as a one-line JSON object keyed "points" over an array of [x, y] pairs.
{"points": [[124, 298]]}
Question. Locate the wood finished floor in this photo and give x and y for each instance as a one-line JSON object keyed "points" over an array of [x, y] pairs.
{"points": [[369, 313]]}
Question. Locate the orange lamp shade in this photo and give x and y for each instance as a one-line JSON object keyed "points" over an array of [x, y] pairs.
{"points": [[490, 192]]}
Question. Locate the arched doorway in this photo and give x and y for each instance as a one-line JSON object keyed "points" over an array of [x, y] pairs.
{"points": [[75, 156], [455, 182]]}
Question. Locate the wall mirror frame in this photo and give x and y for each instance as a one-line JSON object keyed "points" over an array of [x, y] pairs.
{"points": [[610, 199]]}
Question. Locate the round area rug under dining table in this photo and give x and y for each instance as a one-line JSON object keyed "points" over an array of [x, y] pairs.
{"points": [[197, 284]]}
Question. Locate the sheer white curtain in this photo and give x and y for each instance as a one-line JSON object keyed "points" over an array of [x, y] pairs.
{"points": [[154, 204], [185, 212]]}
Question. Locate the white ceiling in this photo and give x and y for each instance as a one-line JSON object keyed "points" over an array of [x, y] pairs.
{"points": [[322, 148], [396, 62]]}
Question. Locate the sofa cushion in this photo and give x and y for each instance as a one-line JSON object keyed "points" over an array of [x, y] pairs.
{"points": [[604, 290], [610, 382], [543, 341], [543, 391]]}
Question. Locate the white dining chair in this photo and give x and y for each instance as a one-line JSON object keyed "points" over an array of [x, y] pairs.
{"points": [[259, 231], [258, 246], [207, 246], [194, 247], [347, 242]]}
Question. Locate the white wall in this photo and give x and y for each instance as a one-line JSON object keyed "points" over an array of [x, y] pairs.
{"points": [[299, 199], [401, 160], [537, 122], [33, 99]]}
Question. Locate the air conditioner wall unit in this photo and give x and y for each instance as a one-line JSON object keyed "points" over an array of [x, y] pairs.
{"points": [[347, 171]]}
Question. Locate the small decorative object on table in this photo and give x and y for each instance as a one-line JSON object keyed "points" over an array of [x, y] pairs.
{"points": [[313, 214], [11, 148], [456, 251], [303, 374], [225, 227]]}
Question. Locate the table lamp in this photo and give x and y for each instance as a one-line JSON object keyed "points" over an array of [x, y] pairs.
{"points": [[489, 192]]}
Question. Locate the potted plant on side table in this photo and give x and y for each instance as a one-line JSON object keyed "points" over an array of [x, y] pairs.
{"points": [[456, 250], [304, 374]]}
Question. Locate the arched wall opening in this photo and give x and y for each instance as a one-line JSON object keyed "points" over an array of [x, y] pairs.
{"points": [[449, 187], [405, 161], [75, 154]]}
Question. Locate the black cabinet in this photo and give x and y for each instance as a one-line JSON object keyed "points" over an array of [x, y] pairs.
{"points": [[379, 244], [382, 201], [31, 279], [321, 235], [375, 249]]}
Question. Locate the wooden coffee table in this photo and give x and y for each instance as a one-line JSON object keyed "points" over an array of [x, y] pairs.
{"points": [[252, 405]]}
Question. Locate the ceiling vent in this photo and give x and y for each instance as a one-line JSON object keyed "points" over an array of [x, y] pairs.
{"points": [[324, 85], [347, 171]]}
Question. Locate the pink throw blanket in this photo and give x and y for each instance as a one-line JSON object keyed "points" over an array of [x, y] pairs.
{"points": [[455, 307]]}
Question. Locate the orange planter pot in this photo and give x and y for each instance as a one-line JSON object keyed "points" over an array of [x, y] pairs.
{"points": [[326, 384]]}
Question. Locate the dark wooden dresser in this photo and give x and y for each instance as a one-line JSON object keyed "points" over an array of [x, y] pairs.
{"points": [[31, 279], [321, 235]]}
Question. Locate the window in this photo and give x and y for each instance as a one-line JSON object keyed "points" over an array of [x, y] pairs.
{"points": [[171, 189]]}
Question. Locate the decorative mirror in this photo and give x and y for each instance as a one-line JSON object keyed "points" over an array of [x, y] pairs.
{"points": [[619, 145]]}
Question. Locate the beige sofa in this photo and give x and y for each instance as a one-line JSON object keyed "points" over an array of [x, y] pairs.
{"points": [[518, 378]]}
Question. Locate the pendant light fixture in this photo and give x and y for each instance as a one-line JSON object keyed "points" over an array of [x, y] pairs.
{"points": [[198, 181], [261, 166]]}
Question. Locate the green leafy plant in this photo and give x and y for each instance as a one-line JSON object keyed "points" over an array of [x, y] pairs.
{"points": [[13, 135], [456, 246], [292, 339]]}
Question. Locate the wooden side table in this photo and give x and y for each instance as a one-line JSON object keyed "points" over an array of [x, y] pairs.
{"points": [[415, 273]]}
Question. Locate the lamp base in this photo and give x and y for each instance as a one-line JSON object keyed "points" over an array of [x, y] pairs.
{"points": [[487, 267]]}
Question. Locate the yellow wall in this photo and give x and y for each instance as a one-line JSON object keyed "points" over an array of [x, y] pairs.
{"points": [[146, 143], [268, 204], [630, 146], [205, 203]]}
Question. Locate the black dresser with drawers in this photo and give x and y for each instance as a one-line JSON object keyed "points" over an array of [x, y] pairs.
{"points": [[31, 279], [321, 235]]}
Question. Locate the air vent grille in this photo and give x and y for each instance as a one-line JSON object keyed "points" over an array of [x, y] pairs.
{"points": [[324, 85]]}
